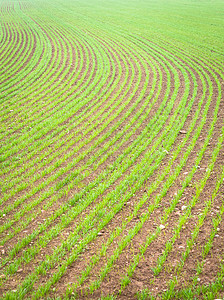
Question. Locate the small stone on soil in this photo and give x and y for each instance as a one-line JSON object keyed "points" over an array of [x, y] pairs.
{"points": [[19, 271], [183, 131], [183, 207]]}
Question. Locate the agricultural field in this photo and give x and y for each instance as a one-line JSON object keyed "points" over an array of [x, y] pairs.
{"points": [[112, 157]]}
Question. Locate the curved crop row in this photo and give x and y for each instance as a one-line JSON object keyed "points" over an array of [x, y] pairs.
{"points": [[111, 153]]}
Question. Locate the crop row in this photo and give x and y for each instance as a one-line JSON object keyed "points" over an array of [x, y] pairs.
{"points": [[95, 119]]}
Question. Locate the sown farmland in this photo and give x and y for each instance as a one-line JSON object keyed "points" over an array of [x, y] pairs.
{"points": [[112, 158]]}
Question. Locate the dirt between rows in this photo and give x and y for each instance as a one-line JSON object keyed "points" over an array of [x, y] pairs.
{"points": [[143, 276], [68, 161]]}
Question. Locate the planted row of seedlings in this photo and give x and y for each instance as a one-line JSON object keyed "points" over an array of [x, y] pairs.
{"points": [[169, 243], [168, 246], [96, 122]]}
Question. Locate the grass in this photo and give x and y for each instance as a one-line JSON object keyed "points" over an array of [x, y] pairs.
{"points": [[111, 149]]}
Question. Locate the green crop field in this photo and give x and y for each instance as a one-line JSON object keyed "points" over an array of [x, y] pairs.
{"points": [[111, 149]]}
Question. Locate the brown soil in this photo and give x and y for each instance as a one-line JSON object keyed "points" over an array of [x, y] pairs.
{"points": [[143, 276]]}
